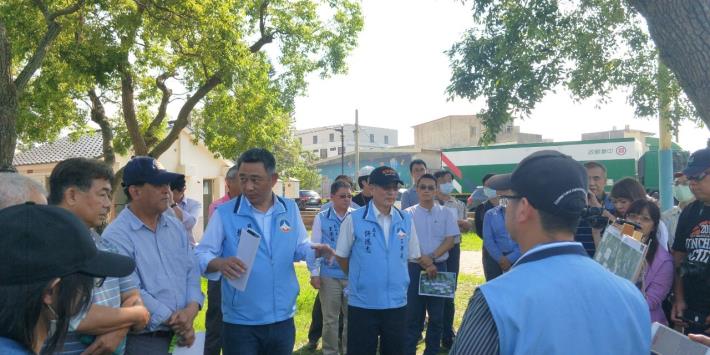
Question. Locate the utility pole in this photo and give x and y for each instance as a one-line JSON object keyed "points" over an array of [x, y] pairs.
{"points": [[357, 147], [665, 152], [342, 148]]}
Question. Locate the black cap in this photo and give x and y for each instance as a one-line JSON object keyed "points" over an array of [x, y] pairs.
{"points": [[383, 176], [40, 243], [551, 182], [146, 169], [698, 162]]}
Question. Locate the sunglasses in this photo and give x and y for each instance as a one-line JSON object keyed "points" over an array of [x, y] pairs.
{"points": [[426, 187]]}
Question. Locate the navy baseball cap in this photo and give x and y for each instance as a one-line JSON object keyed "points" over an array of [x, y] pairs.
{"points": [[40, 243], [698, 162], [551, 182], [383, 176], [146, 169]]}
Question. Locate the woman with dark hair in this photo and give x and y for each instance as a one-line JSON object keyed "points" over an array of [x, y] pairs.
{"points": [[624, 192], [48, 267], [658, 275]]}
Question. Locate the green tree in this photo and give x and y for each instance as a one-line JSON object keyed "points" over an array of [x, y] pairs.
{"points": [[518, 51], [233, 66]]}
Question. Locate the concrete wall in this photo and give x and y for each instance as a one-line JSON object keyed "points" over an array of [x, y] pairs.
{"points": [[464, 131]]}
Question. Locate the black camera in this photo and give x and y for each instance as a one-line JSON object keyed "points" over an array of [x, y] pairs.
{"points": [[593, 215]]}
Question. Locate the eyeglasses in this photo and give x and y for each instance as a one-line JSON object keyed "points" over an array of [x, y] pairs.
{"points": [[426, 187], [504, 200], [345, 196], [698, 178], [99, 281]]}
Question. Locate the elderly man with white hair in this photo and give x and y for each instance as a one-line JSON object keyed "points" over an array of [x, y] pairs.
{"points": [[16, 189]]}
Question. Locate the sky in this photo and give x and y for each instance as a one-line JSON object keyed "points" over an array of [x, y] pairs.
{"points": [[399, 72]]}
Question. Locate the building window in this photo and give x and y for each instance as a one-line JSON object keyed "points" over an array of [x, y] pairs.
{"points": [[315, 139], [332, 149], [323, 153], [372, 138], [331, 137], [341, 151], [315, 151], [474, 131], [508, 129], [387, 140]]}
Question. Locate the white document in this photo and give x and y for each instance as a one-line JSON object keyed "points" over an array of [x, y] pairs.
{"points": [[197, 347], [246, 252], [666, 341]]}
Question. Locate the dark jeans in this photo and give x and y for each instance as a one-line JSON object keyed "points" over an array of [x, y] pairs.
{"points": [[213, 318], [491, 268], [315, 331], [369, 325], [417, 307], [452, 265], [269, 339]]}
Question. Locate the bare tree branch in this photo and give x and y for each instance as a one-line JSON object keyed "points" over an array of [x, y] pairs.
{"points": [[67, 10], [98, 115], [162, 108], [265, 37], [183, 118], [129, 111]]}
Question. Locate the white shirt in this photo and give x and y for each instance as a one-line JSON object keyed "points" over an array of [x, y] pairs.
{"points": [[317, 237], [347, 237]]}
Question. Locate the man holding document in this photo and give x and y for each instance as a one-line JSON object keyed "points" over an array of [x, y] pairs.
{"points": [[253, 241]]}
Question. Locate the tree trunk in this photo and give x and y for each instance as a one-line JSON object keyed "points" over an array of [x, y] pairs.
{"points": [[681, 31], [8, 103]]}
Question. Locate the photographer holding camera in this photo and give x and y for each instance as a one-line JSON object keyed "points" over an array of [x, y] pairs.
{"points": [[599, 209], [691, 250]]}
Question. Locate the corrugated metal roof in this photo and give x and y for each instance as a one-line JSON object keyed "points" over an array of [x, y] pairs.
{"points": [[86, 146]]}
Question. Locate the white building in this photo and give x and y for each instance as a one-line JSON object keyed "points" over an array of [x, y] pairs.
{"points": [[325, 142]]}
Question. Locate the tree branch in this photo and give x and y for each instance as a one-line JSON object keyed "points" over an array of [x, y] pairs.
{"points": [[129, 111], [183, 118], [8, 102], [53, 29], [162, 108], [265, 37], [98, 115]]}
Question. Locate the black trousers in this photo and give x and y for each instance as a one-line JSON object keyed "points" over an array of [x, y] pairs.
{"points": [[213, 318], [491, 268], [388, 326], [453, 264], [315, 331]]}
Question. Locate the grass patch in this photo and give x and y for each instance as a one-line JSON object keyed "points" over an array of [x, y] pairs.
{"points": [[467, 284], [471, 242]]}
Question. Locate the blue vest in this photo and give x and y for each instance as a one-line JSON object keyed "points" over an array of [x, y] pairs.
{"points": [[378, 277], [560, 301], [270, 295], [330, 229]]}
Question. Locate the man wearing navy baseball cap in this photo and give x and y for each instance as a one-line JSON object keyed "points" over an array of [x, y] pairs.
{"points": [[166, 268], [374, 246], [691, 247], [555, 299]]}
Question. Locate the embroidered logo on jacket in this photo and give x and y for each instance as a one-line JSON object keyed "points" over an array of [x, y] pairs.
{"points": [[284, 226]]}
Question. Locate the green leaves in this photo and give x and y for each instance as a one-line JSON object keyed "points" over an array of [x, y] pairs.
{"points": [[519, 51]]}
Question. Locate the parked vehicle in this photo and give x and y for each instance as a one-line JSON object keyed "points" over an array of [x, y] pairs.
{"points": [[308, 199]]}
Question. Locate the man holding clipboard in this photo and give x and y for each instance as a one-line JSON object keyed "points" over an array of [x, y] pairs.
{"points": [[258, 295]]}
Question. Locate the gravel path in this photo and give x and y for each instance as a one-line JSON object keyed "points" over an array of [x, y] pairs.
{"points": [[471, 263]]}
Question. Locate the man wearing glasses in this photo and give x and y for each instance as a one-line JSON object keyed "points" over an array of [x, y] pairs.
{"points": [[326, 275], [373, 249], [437, 228], [555, 299], [691, 250], [496, 239]]}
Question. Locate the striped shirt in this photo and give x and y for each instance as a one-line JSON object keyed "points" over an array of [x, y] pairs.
{"points": [[478, 333], [109, 295]]}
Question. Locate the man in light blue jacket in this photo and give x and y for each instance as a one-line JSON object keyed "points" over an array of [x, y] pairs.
{"points": [[258, 319]]}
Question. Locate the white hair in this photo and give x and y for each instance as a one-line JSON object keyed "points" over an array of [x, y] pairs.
{"points": [[17, 189]]}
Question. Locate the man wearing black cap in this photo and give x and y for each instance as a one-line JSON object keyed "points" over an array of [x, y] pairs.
{"points": [[374, 246], [48, 267], [555, 299], [691, 250], [166, 268]]}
